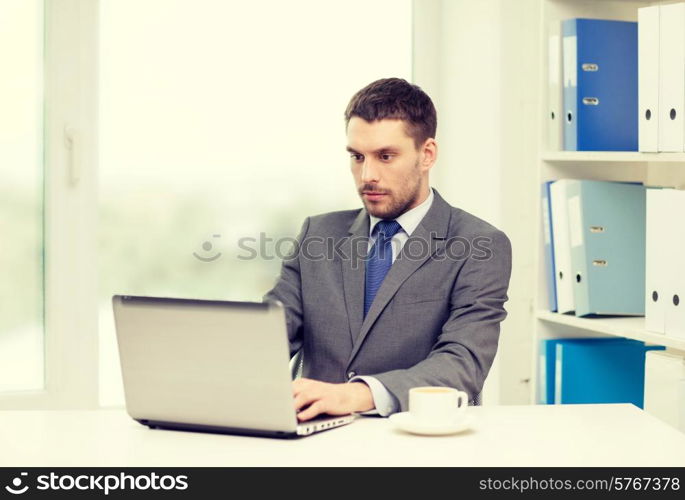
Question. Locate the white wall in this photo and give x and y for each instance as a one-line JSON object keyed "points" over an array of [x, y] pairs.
{"points": [[479, 61]]}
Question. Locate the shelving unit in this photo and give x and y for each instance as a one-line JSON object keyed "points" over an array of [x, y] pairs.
{"points": [[652, 169]]}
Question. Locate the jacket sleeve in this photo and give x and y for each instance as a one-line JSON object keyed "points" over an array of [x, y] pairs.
{"points": [[466, 346], [288, 290]]}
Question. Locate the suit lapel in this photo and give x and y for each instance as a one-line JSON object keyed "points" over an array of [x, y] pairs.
{"points": [[354, 251], [432, 231]]}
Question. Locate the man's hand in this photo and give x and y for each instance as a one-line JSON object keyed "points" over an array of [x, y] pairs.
{"points": [[313, 398]]}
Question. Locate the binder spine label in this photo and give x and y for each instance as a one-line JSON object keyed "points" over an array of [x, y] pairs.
{"points": [[545, 221], [575, 221], [570, 87], [570, 61], [554, 63]]}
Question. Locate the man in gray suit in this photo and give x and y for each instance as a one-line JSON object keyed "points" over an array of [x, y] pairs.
{"points": [[407, 291]]}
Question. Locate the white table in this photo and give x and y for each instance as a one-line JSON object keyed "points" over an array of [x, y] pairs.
{"points": [[529, 436]]}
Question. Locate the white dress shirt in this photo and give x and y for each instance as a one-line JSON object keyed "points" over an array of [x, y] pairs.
{"points": [[384, 401]]}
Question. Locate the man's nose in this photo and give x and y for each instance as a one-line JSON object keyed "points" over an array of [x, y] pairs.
{"points": [[370, 172]]}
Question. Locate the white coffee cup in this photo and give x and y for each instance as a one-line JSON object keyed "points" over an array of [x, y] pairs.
{"points": [[435, 405]]}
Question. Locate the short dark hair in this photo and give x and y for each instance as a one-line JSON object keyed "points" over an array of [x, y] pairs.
{"points": [[395, 98]]}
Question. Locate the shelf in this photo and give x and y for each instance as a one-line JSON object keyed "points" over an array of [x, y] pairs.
{"points": [[611, 157], [628, 327]]}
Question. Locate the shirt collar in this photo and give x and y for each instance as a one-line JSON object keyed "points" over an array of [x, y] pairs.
{"points": [[410, 219]]}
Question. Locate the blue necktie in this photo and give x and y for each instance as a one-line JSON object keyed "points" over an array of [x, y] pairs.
{"points": [[380, 259]]}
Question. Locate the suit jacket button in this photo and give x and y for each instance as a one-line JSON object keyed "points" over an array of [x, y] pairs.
{"points": [[351, 375]]}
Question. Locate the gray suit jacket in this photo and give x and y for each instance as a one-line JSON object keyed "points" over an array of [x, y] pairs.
{"points": [[435, 319]]}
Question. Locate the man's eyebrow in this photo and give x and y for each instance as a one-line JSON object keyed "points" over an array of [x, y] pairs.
{"points": [[385, 149]]}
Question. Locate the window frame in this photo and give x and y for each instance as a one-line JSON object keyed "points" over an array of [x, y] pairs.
{"points": [[69, 215]]}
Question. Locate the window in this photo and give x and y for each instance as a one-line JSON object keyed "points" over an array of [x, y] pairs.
{"points": [[221, 129], [21, 196]]}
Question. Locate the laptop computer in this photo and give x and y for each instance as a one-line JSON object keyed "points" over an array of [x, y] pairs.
{"points": [[209, 366]]}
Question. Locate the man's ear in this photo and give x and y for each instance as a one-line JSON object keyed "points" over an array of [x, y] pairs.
{"points": [[429, 154]]}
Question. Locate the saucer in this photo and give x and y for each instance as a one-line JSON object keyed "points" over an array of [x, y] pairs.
{"points": [[407, 423]]}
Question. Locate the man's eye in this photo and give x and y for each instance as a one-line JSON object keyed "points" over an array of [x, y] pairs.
{"points": [[357, 157], [387, 157]]}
